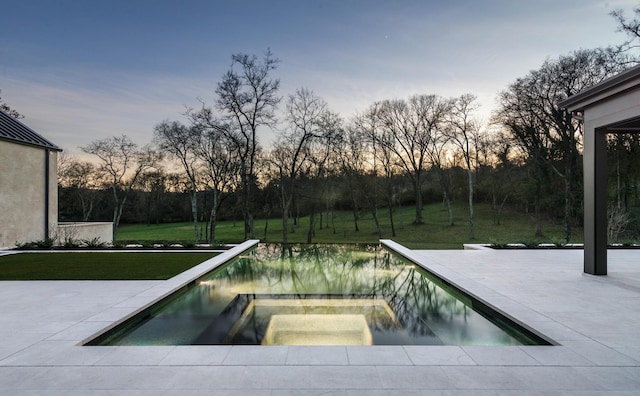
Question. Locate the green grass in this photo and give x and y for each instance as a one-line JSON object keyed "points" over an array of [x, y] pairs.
{"points": [[97, 266], [434, 234]]}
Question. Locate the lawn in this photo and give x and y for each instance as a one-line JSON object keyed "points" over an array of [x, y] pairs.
{"points": [[97, 266], [433, 234]]}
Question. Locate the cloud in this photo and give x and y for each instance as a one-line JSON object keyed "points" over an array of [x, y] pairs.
{"points": [[71, 113]]}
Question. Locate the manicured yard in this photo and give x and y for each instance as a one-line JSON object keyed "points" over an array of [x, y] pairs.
{"points": [[435, 233], [98, 266]]}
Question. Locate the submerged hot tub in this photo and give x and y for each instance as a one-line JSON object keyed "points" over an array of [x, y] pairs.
{"points": [[319, 295]]}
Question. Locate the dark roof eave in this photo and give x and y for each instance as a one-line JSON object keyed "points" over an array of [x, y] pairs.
{"points": [[609, 87], [51, 147], [12, 130]]}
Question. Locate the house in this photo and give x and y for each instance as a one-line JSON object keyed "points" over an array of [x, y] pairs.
{"points": [[29, 190], [28, 184]]}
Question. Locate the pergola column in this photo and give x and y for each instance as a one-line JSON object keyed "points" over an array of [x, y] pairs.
{"points": [[595, 200]]}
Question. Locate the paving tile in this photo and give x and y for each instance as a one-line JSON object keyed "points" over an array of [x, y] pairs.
{"points": [[555, 356], [557, 331], [111, 314], [133, 355], [599, 354], [517, 378], [256, 355], [56, 353], [378, 355], [414, 377], [79, 331], [264, 377], [196, 355], [499, 356], [344, 377], [436, 355], [105, 378], [613, 378], [317, 355], [313, 392]]}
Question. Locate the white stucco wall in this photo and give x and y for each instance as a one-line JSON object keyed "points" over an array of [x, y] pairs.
{"points": [[86, 231], [22, 193]]}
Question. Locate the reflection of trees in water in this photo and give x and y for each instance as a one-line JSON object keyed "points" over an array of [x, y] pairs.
{"points": [[338, 270]]}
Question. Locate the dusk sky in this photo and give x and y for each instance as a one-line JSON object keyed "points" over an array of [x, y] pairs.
{"points": [[84, 70]]}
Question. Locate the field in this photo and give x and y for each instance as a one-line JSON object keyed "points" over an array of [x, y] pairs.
{"points": [[434, 234], [97, 266]]}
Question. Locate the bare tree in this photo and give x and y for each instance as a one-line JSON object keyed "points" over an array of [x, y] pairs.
{"points": [[180, 142], [220, 167], [321, 150], [412, 123], [305, 111], [82, 178], [247, 97], [121, 164], [352, 156], [438, 152], [463, 130], [630, 27]]}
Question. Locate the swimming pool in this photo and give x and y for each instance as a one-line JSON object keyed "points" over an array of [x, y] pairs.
{"points": [[319, 295]]}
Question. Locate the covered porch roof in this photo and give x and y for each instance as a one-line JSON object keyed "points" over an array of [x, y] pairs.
{"points": [[613, 106]]}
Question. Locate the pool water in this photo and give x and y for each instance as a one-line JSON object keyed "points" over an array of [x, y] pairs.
{"points": [[320, 295]]}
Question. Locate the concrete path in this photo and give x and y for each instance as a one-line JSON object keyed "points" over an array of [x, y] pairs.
{"points": [[596, 321]]}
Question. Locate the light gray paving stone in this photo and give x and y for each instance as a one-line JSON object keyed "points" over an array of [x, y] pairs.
{"points": [[613, 378], [245, 355], [311, 392], [263, 377], [463, 392], [317, 355], [599, 354], [133, 355], [13, 379], [557, 331], [499, 356], [631, 351], [414, 377], [56, 353], [556, 356], [344, 377], [196, 355], [111, 315], [79, 331], [105, 378], [378, 355], [517, 378], [437, 355]]}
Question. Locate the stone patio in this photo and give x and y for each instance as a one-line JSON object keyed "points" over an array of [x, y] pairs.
{"points": [[595, 321]]}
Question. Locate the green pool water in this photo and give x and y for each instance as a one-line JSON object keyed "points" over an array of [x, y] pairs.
{"points": [[319, 295]]}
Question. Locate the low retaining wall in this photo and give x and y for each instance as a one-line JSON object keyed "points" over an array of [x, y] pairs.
{"points": [[86, 231]]}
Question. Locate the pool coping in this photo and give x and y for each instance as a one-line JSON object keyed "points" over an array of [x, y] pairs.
{"points": [[503, 305]]}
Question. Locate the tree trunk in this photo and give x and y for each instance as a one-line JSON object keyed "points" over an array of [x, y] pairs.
{"points": [[471, 213], [418, 193], [285, 221], [194, 214], [355, 214], [449, 208], [311, 230], [393, 226], [374, 213]]}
